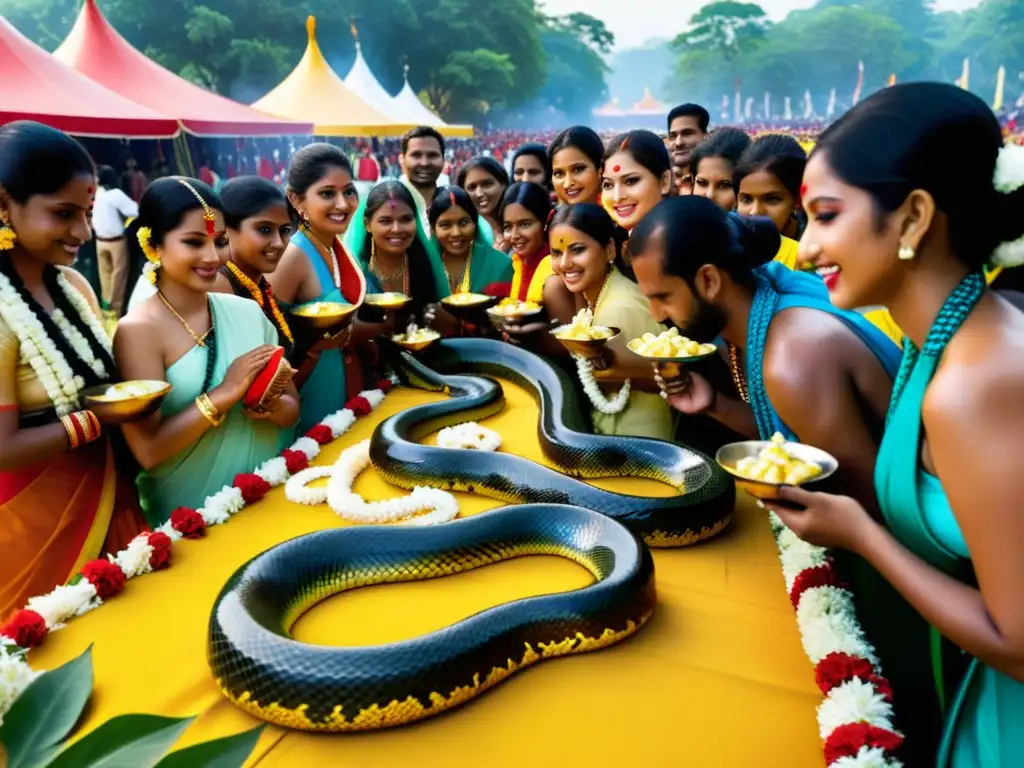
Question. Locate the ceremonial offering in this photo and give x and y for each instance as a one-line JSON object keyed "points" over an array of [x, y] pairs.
{"points": [[318, 688], [706, 494], [762, 467], [465, 306], [126, 401], [582, 337], [512, 311], [670, 351], [416, 339], [327, 317], [388, 301], [270, 383], [469, 436]]}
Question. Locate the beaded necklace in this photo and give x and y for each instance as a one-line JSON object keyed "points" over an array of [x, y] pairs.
{"points": [[263, 296], [402, 273], [737, 374]]}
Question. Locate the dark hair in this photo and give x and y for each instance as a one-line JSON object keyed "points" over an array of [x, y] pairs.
{"points": [[578, 137], [38, 160], [248, 196], [421, 276], [593, 221], [488, 164], [106, 176], [727, 143], [538, 150], [780, 155], [443, 201], [646, 148], [691, 110], [532, 197], [694, 231], [899, 140], [310, 164], [422, 132]]}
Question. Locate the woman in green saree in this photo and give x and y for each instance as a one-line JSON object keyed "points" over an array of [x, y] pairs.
{"points": [[209, 346], [470, 264], [889, 225]]}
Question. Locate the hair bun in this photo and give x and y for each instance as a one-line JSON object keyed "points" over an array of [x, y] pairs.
{"points": [[756, 239]]}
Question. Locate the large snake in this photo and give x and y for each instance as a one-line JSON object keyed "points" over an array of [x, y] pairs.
{"points": [[264, 671], [701, 509]]}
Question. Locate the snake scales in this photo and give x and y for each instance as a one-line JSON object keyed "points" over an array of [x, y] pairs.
{"points": [[264, 671]]}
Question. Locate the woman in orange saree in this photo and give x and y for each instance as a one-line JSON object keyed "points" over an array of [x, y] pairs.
{"points": [[60, 500]]}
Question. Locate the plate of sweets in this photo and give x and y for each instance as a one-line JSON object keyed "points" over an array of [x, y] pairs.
{"points": [[416, 339], [762, 467], [670, 350], [513, 311], [465, 305], [582, 337], [327, 317], [389, 301], [126, 401]]}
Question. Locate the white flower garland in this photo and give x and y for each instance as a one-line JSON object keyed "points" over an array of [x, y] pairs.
{"points": [[1007, 179], [81, 306], [15, 675], [78, 342], [609, 407], [471, 436], [38, 350]]}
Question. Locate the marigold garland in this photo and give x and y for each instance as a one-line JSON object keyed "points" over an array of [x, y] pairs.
{"points": [[258, 292]]}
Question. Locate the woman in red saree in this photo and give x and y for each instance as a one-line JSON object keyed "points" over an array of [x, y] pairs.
{"points": [[60, 500]]}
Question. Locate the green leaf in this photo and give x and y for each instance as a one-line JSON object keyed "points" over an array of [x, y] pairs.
{"points": [[229, 752], [46, 711], [126, 741]]}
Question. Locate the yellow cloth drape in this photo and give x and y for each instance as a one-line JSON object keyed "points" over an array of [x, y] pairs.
{"points": [[787, 253], [716, 679], [535, 291]]}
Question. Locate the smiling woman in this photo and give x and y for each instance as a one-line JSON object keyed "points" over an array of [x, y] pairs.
{"points": [[575, 155], [713, 162], [636, 175], [485, 180], [470, 264]]}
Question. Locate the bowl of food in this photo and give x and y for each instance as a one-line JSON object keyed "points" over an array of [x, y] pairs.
{"points": [[416, 339], [466, 306], [582, 337], [670, 351], [762, 467], [512, 311], [326, 317], [389, 302], [125, 401]]}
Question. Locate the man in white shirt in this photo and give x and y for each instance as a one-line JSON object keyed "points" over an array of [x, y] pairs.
{"points": [[422, 162], [111, 212]]}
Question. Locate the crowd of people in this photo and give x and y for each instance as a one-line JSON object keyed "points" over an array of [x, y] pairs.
{"points": [[858, 298]]}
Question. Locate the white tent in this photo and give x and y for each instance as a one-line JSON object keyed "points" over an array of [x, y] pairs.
{"points": [[360, 80]]}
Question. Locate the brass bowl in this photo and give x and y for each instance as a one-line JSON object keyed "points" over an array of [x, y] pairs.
{"points": [[121, 410], [500, 319], [729, 455], [469, 309], [586, 347], [389, 302], [416, 346], [671, 367], [332, 318]]}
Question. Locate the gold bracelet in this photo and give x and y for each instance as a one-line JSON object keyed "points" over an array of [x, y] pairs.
{"points": [[85, 424], [69, 427], [97, 428], [209, 410]]}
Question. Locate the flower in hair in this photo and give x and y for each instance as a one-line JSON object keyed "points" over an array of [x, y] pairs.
{"points": [[1009, 174], [1009, 254]]}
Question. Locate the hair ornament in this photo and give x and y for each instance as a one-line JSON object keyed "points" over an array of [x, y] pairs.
{"points": [[145, 236], [1007, 179], [391, 197], [451, 198], [208, 216]]}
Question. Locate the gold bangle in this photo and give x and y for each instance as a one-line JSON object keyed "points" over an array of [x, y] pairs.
{"points": [[97, 428], [209, 410], [69, 427], [85, 424]]}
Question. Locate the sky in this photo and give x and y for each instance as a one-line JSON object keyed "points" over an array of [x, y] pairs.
{"points": [[636, 21]]}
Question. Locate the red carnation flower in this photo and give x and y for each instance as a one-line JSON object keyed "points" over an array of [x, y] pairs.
{"points": [[882, 684], [836, 668], [26, 628], [107, 578], [321, 433], [188, 523], [295, 461], [384, 385], [360, 406], [161, 555], [253, 487], [846, 740], [819, 576]]}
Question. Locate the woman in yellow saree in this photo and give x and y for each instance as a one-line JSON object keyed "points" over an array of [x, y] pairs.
{"points": [[60, 500]]}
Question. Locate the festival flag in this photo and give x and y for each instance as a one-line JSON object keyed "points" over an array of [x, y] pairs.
{"points": [[767, 106], [997, 103], [352, 28], [737, 108], [830, 110], [965, 75], [892, 80], [808, 105], [748, 109], [787, 110], [860, 82], [725, 107]]}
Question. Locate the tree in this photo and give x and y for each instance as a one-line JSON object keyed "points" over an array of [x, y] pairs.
{"points": [[726, 27], [575, 81]]}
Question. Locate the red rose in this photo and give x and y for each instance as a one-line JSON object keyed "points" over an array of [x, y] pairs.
{"points": [[321, 433], [253, 487], [360, 406], [188, 523], [161, 555], [836, 668], [107, 578], [26, 628], [384, 385], [295, 461], [846, 740], [819, 576]]}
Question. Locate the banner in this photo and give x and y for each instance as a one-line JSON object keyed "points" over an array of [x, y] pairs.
{"points": [[997, 103], [860, 82], [767, 106], [787, 110], [830, 110]]}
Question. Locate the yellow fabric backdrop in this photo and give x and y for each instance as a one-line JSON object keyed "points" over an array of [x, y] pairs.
{"points": [[716, 679]]}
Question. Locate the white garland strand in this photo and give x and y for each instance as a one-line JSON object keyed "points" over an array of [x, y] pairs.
{"points": [[15, 676], [78, 343], [81, 306], [608, 407], [469, 436], [1007, 179]]}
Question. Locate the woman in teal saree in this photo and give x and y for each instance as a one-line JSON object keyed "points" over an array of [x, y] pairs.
{"points": [[890, 224], [470, 263], [208, 346]]}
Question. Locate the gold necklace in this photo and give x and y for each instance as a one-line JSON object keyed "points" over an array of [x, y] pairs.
{"points": [[604, 287], [462, 284], [331, 255], [399, 274], [200, 340], [737, 375]]}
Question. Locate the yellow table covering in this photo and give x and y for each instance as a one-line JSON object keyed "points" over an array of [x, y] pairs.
{"points": [[716, 679]]}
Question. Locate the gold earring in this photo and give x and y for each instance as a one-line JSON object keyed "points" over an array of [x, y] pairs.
{"points": [[373, 249], [906, 253], [8, 237]]}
